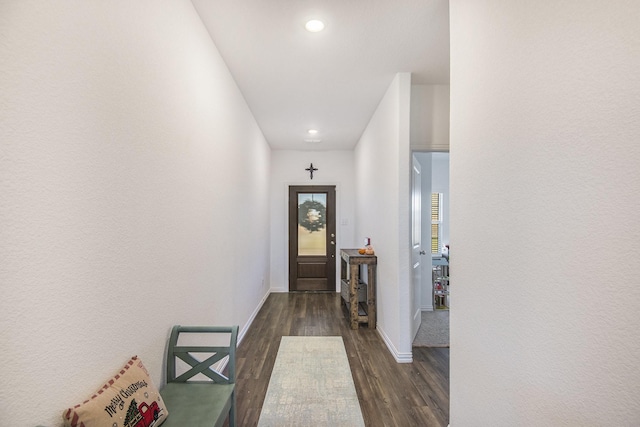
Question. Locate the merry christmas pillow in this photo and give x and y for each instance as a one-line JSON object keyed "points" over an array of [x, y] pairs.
{"points": [[129, 399]]}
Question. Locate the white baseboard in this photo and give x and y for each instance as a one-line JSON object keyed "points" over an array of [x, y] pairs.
{"points": [[400, 357], [245, 328]]}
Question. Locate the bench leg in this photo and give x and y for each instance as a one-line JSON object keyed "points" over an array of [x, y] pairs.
{"points": [[232, 412]]}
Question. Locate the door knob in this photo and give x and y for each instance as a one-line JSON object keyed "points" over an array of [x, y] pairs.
{"points": [[333, 243], [422, 252]]}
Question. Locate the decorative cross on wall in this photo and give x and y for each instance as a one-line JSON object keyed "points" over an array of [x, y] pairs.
{"points": [[311, 169]]}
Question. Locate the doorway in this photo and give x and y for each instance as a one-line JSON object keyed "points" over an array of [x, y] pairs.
{"points": [[435, 218], [312, 238], [434, 289]]}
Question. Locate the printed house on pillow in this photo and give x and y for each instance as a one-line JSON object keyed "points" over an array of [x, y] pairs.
{"points": [[129, 399]]}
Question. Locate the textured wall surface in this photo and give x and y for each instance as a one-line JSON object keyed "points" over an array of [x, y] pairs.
{"points": [[382, 168], [134, 184], [430, 117], [544, 213]]}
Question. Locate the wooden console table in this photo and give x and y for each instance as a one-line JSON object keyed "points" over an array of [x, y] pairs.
{"points": [[352, 287]]}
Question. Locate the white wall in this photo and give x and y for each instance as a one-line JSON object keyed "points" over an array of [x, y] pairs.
{"points": [[134, 182], [429, 117], [382, 165], [288, 168], [545, 329]]}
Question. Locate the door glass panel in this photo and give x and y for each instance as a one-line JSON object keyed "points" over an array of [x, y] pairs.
{"points": [[312, 222]]}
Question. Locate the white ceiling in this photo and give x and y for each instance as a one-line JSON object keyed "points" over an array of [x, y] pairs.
{"points": [[294, 80]]}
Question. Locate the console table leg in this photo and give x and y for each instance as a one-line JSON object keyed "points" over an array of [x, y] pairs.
{"points": [[371, 296], [353, 295]]}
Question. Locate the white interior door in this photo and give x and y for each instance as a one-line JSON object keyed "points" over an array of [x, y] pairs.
{"points": [[416, 247]]}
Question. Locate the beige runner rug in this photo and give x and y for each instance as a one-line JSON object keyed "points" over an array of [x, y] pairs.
{"points": [[311, 385]]}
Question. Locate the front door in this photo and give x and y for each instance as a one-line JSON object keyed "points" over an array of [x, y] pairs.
{"points": [[312, 238]]}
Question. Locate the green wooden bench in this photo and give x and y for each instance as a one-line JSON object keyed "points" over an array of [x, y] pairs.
{"points": [[198, 403]]}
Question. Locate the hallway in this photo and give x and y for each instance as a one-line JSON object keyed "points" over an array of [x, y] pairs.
{"points": [[390, 394]]}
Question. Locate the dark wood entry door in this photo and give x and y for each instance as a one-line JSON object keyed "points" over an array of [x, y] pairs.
{"points": [[312, 238]]}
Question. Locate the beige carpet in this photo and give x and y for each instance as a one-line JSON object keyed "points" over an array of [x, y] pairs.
{"points": [[311, 385], [434, 329]]}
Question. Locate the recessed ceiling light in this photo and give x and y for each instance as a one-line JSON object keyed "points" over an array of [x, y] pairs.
{"points": [[312, 131], [314, 25]]}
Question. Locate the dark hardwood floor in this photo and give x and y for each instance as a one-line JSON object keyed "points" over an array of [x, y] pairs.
{"points": [[390, 394]]}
